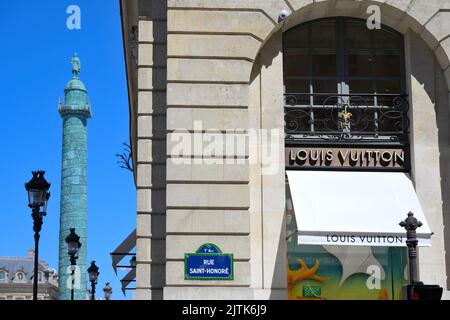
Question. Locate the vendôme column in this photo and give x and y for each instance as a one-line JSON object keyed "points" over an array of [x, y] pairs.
{"points": [[75, 110]]}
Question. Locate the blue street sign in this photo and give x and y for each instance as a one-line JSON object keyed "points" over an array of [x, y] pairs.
{"points": [[208, 263]]}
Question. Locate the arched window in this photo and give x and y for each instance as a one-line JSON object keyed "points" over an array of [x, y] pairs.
{"points": [[20, 277], [344, 81], [3, 276]]}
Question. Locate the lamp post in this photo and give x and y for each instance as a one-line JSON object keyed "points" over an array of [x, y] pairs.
{"points": [[38, 195], [93, 275], [410, 225], [107, 290], [73, 247]]}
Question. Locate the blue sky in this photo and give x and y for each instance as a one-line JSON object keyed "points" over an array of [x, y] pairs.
{"points": [[36, 51]]}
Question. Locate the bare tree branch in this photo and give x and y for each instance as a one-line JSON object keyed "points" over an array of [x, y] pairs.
{"points": [[125, 160]]}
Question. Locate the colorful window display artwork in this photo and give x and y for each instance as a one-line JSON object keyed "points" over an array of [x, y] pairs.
{"points": [[344, 272]]}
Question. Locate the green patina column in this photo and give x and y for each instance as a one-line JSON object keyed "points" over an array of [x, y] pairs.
{"points": [[74, 110]]}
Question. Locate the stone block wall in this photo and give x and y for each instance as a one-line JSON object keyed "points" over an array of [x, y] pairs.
{"points": [[150, 145], [221, 70]]}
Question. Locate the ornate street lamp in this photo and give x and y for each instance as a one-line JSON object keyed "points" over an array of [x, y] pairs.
{"points": [[410, 225], [73, 248], [107, 290], [93, 275], [38, 195]]}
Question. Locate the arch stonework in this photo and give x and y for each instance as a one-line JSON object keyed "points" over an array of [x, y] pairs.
{"points": [[259, 20], [220, 56]]}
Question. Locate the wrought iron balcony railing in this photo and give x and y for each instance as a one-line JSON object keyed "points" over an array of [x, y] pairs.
{"points": [[380, 118]]}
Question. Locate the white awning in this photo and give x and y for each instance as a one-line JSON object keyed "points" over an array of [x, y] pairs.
{"points": [[354, 208]]}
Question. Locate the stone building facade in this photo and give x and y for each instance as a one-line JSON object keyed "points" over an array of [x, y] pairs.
{"points": [[199, 65], [16, 279]]}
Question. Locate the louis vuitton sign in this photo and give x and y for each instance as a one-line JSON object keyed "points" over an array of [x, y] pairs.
{"points": [[335, 158]]}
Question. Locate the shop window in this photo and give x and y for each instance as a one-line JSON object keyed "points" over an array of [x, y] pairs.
{"points": [[316, 272], [338, 65], [344, 88]]}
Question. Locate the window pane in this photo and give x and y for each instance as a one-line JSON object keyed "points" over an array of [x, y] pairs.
{"points": [[297, 92], [361, 86], [297, 120], [358, 36], [386, 40], [323, 34], [387, 65], [390, 119], [388, 86], [296, 64], [297, 86], [325, 119], [364, 88], [324, 65], [363, 117], [360, 65], [325, 86], [296, 38]]}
